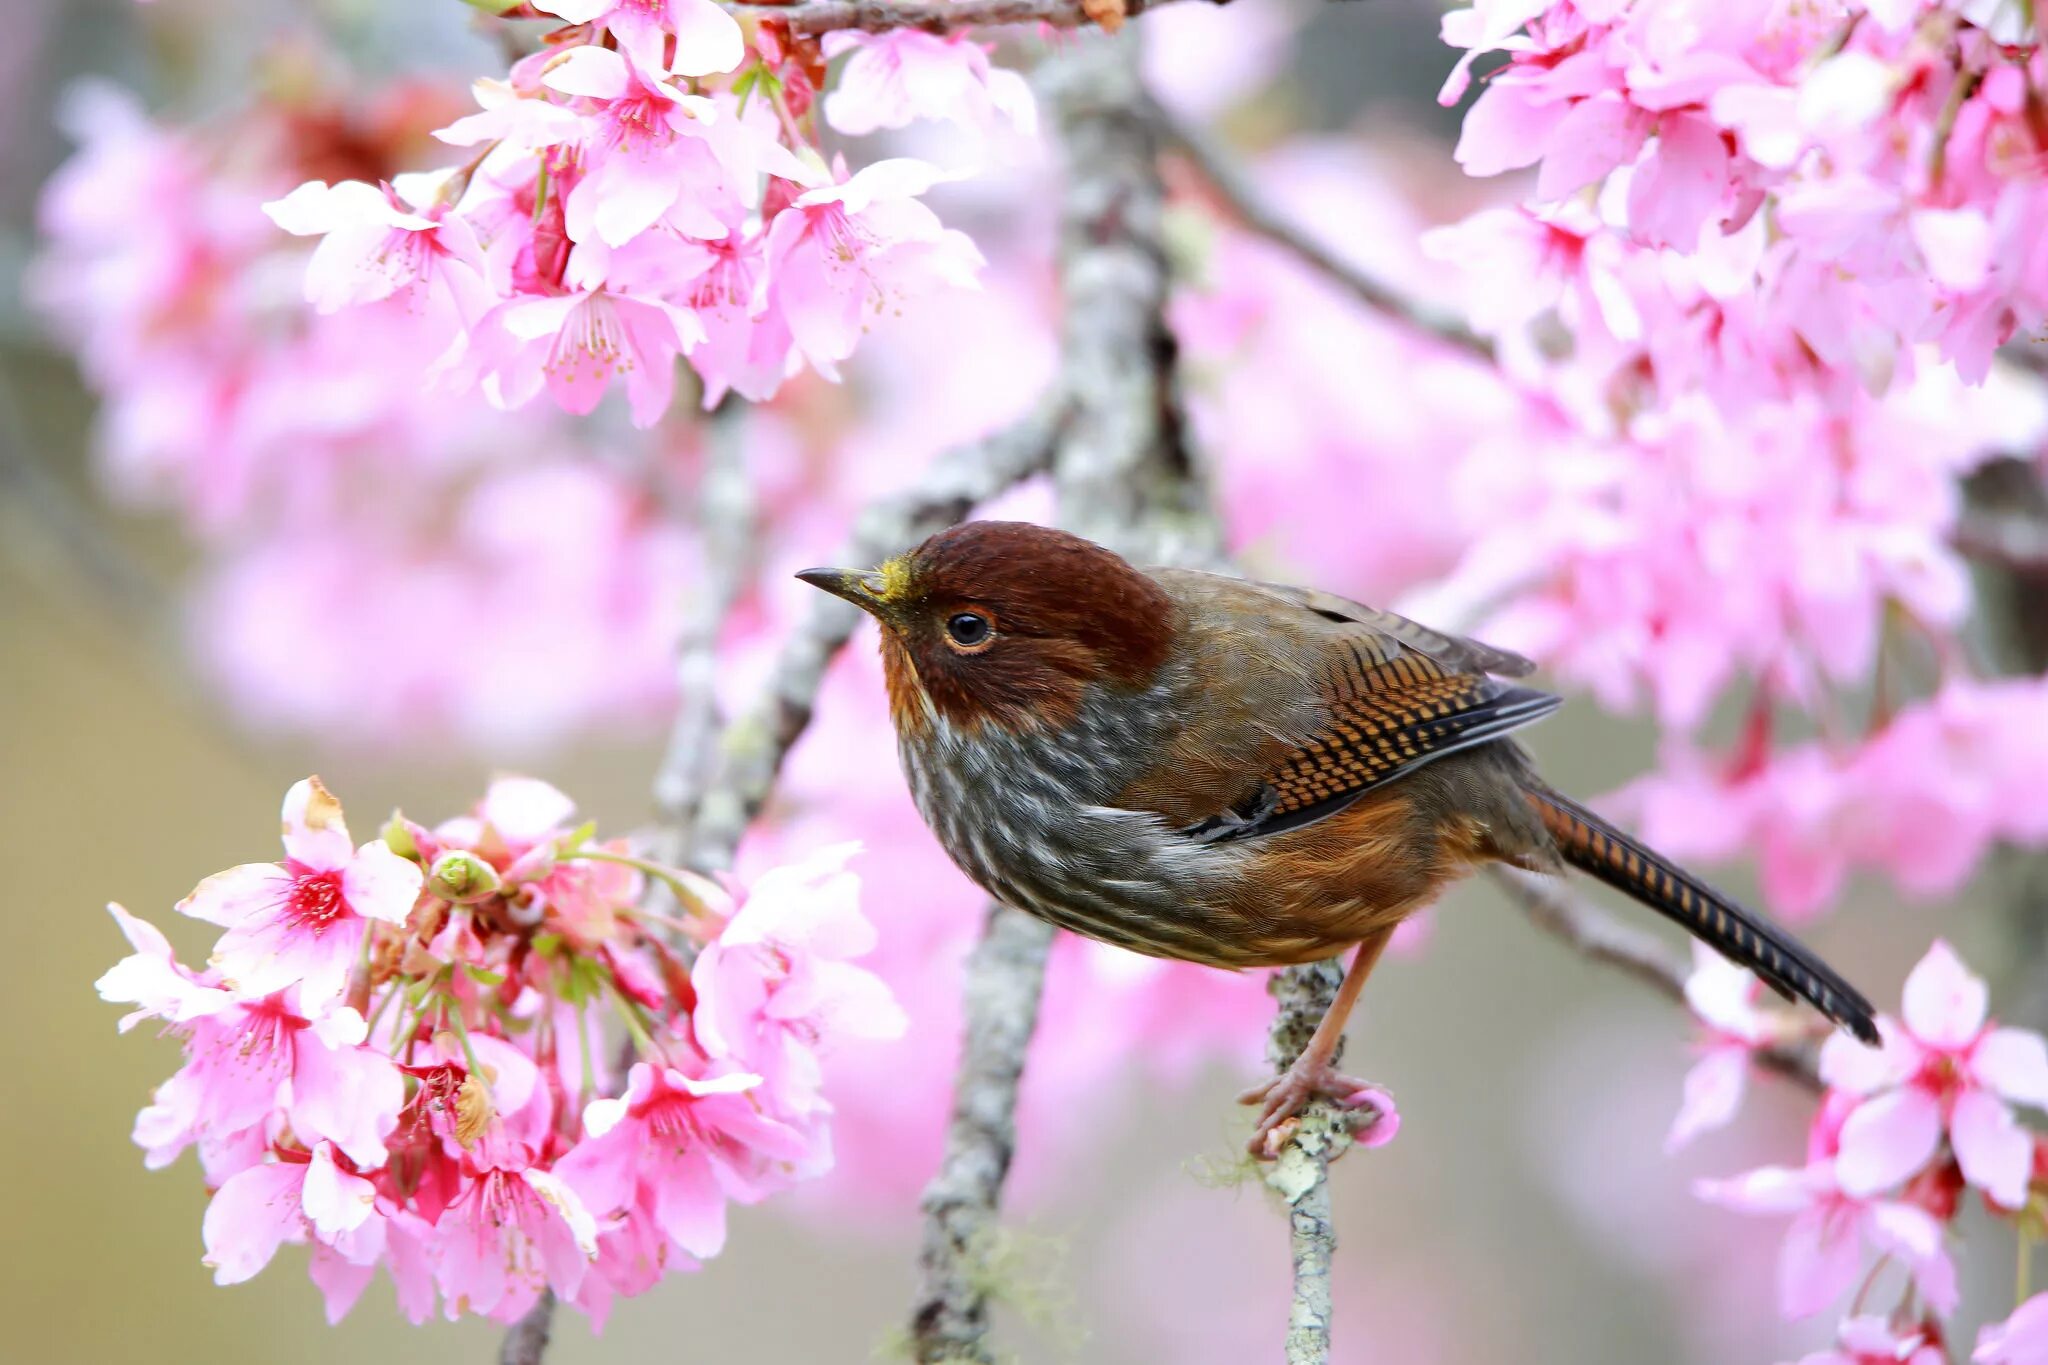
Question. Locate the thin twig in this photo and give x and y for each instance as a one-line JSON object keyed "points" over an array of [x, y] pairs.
{"points": [[752, 749], [1599, 937], [2012, 541], [949, 1321], [526, 1342], [1244, 200], [2027, 353], [933, 16], [725, 528]]}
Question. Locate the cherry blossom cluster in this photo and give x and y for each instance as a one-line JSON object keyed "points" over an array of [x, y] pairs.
{"points": [[1895, 150], [1904, 1135], [643, 188], [1751, 310], [376, 559], [401, 1053]]}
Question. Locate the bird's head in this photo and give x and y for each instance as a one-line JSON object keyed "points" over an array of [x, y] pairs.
{"points": [[1006, 622]]}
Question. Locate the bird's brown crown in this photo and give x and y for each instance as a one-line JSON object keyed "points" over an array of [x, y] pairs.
{"points": [[1009, 622]]}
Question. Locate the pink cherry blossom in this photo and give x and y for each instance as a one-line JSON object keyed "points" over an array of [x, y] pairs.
{"points": [[648, 151], [683, 1146], [375, 246], [1875, 1341], [153, 979], [843, 253], [514, 1230], [2021, 1339], [1723, 997], [1947, 1069], [774, 991], [283, 1200], [741, 352], [1823, 1251], [301, 922], [708, 40], [250, 1060], [895, 78], [575, 344]]}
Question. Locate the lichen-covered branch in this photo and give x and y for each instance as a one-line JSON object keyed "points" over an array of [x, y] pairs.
{"points": [[754, 744], [1125, 478], [1597, 936], [1244, 201], [1300, 1175], [1124, 473], [949, 1321], [937, 16]]}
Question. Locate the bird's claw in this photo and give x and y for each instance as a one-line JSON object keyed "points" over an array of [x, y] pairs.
{"points": [[1284, 1097]]}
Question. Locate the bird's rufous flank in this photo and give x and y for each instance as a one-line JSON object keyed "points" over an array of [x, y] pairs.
{"points": [[1236, 773]]}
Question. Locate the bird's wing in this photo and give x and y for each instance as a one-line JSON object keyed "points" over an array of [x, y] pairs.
{"points": [[1350, 699], [1456, 652]]}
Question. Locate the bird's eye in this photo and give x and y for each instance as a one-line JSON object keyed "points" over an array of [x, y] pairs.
{"points": [[969, 629]]}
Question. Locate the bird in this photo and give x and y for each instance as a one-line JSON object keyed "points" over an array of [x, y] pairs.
{"points": [[1238, 773]]}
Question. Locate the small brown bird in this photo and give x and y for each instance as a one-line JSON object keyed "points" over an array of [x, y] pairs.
{"points": [[1236, 773]]}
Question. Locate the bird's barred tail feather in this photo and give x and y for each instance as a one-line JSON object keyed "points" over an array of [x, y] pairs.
{"points": [[1741, 935]]}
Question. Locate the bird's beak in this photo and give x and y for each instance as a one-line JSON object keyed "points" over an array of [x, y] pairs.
{"points": [[864, 590]]}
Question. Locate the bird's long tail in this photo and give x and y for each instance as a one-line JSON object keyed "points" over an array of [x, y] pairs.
{"points": [[1741, 935]]}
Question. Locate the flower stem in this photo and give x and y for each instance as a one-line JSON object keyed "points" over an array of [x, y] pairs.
{"points": [[2023, 1289], [629, 1011], [677, 880], [589, 1086], [453, 1018]]}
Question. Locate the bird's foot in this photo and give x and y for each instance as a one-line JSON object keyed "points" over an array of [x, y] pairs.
{"points": [[1282, 1099]]}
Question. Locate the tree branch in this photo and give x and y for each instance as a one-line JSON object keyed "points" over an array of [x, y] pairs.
{"points": [[949, 1320], [1124, 477], [1235, 188], [725, 524], [932, 16], [754, 745], [1599, 937], [1300, 1175], [2016, 542], [2029, 354], [526, 1341]]}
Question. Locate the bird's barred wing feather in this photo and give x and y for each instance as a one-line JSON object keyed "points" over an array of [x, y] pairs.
{"points": [[1399, 695]]}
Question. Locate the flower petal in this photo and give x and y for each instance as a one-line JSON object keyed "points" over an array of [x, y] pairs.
{"points": [[1819, 1260], [708, 40], [2014, 1063], [1713, 1092], [250, 1217], [1995, 1153], [1915, 1237], [334, 1200], [314, 832], [226, 898], [1944, 1003], [1886, 1140], [1847, 1064], [379, 884]]}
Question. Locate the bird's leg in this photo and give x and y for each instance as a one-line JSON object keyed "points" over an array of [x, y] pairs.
{"points": [[1312, 1075]]}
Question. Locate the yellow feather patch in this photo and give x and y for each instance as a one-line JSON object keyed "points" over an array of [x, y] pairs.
{"points": [[895, 575]]}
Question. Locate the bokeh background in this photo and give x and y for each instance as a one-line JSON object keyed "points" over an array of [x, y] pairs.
{"points": [[1527, 1212]]}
